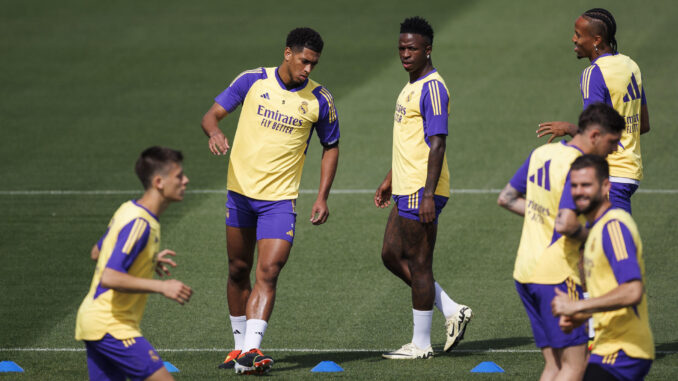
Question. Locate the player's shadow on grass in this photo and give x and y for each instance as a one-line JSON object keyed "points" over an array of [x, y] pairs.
{"points": [[309, 360], [662, 348], [470, 348]]}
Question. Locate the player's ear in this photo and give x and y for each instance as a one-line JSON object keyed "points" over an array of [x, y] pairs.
{"points": [[606, 186], [288, 53], [158, 182]]}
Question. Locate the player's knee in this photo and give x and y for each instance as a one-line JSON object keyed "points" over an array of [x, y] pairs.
{"points": [[238, 271], [269, 272]]}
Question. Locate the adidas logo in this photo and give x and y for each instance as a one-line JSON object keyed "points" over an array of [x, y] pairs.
{"points": [[542, 176], [236, 332], [265, 96], [290, 233], [633, 92], [259, 333]]}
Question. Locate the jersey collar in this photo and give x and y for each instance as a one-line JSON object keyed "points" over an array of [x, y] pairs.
{"points": [[282, 84], [427, 74], [572, 145], [590, 225], [148, 211], [601, 56]]}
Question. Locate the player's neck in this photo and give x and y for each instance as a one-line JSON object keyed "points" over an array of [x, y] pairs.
{"points": [[416, 75], [595, 214], [154, 202], [286, 79], [601, 51]]}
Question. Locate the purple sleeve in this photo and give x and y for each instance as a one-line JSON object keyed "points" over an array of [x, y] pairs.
{"points": [[620, 251], [519, 179], [643, 101], [434, 105], [593, 88], [566, 200], [131, 241], [235, 94], [327, 125]]}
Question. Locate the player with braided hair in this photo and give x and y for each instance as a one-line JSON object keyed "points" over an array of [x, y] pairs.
{"points": [[614, 79]]}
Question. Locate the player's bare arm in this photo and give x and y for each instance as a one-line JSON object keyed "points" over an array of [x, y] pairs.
{"points": [[123, 282], [512, 200], [328, 168], [382, 197], [218, 143], [566, 224], [556, 129], [644, 119], [436, 155], [94, 253], [625, 295]]}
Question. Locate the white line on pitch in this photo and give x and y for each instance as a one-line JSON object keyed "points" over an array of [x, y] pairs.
{"points": [[223, 191]]}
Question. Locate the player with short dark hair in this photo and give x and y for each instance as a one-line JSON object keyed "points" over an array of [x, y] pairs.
{"points": [[419, 182], [108, 318], [280, 109], [548, 253], [623, 348], [614, 79]]}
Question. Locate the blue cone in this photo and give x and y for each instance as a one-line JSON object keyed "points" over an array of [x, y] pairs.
{"points": [[171, 368], [487, 367], [9, 366], [327, 366]]}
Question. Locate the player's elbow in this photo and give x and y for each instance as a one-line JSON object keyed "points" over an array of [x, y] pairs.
{"points": [[634, 294], [109, 279]]}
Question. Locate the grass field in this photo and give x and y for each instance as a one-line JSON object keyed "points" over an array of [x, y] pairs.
{"points": [[85, 86]]}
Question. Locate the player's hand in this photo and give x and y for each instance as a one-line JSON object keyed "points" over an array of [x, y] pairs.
{"points": [[562, 304], [176, 290], [555, 129], [566, 324], [382, 197], [218, 144], [161, 260], [427, 210], [320, 212]]}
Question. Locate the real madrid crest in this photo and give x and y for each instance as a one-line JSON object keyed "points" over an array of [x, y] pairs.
{"points": [[303, 108]]}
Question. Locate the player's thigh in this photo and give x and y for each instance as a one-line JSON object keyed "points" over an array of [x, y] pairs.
{"points": [[101, 368], [273, 254], [418, 239], [161, 374], [392, 245], [240, 244]]}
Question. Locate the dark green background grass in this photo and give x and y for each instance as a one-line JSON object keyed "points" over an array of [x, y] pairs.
{"points": [[85, 86]]}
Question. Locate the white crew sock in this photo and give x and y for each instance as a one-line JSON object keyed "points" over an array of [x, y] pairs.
{"points": [[238, 327], [446, 305], [421, 335], [256, 329]]}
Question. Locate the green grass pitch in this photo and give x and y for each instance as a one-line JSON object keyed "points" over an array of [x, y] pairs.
{"points": [[85, 86]]}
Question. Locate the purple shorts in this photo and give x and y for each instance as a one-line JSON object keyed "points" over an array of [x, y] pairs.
{"points": [[408, 206], [620, 195], [537, 301], [272, 219], [621, 366], [113, 359]]}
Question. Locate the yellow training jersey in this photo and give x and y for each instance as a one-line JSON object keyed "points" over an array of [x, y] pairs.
{"points": [[616, 81], [421, 111], [275, 126], [129, 245], [613, 255], [544, 256]]}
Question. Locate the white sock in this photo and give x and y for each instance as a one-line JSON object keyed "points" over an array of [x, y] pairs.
{"points": [[256, 329], [421, 336], [238, 326], [446, 305]]}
